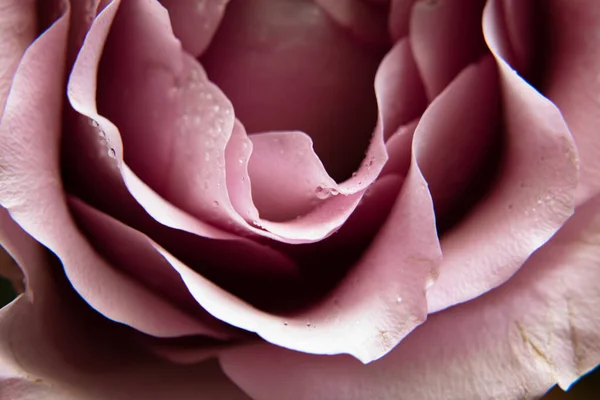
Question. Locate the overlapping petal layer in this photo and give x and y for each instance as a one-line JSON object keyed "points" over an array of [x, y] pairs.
{"points": [[53, 346], [32, 192], [530, 200], [491, 347]]}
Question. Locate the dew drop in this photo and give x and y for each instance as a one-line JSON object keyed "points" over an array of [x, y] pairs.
{"points": [[112, 153], [322, 192], [215, 203], [399, 299], [334, 192]]}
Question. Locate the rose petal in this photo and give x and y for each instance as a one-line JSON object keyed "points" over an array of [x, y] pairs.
{"points": [[288, 178], [177, 122], [364, 21], [82, 92], [572, 83], [237, 158], [17, 30], [456, 133], [531, 199], [53, 346], [226, 264], [133, 257], [517, 48], [445, 36], [399, 150], [30, 190], [195, 22], [399, 18], [324, 328], [382, 297], [399, 88], [515, 342]]}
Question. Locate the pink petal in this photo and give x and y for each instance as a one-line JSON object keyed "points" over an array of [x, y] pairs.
{"points": [[517, 47], [399, 88], [366, 22], [133, 257], [539, 328], [82, 93], [456, 133], [195, 22], [237, 158], [399, 150], [176, 123], [31, 191], [445, 36], [288, 178], [382, 297], [53, 346], [529, 202], [399, 18], [17, 30], [571, 81]]}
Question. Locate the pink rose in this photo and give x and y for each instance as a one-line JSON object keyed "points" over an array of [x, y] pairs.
{"points": [[181, 239]]}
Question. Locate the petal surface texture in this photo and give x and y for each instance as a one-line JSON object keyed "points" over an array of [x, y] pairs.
{"points": [[53, 346], [491, 347], [31, 190], [530, 199]]}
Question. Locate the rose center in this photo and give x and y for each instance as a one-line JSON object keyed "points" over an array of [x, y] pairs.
{"points": [[286, 65]]}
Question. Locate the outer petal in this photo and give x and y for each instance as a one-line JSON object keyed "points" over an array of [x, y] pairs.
{"points": [[53, 346], [30, 189], [17, 30], [531, 199], [572, 82], [539, 328]]}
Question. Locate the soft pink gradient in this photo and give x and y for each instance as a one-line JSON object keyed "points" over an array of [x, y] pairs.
{"points": [[337, 199]]}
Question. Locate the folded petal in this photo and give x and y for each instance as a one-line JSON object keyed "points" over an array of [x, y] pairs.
{"points": [[514, 342], [195, 22], [18, 28], [31, 190], [399, 18], [445, 36], [570, 80], [399, 88], [53, 346], [529, 201], [366, 22], [456, 133], [383, 297]]}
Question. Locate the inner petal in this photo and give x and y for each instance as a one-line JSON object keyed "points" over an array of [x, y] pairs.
{"points": [[287, 65]]}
